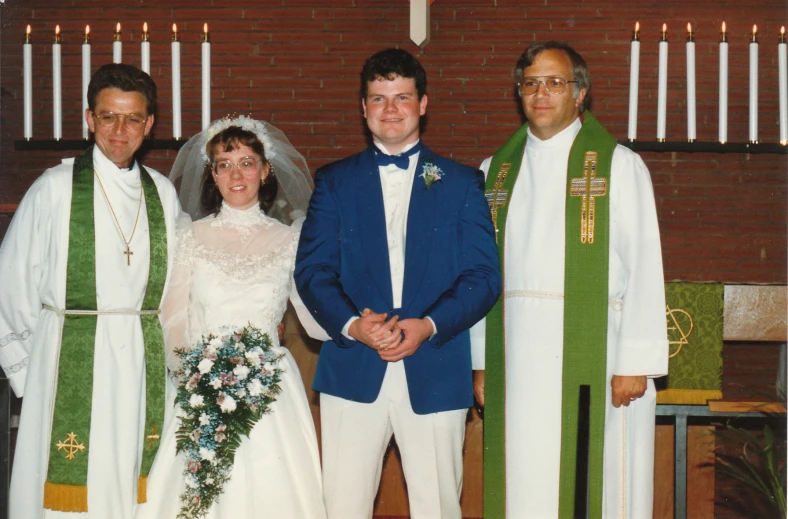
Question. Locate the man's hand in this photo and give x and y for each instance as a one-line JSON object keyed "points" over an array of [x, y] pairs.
{"points": [[627, 389], [415, 332], [478, 386], [373, 330]]}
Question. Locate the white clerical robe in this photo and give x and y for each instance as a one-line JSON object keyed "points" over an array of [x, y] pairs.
{"points": [[533, 291], [33, 260]]}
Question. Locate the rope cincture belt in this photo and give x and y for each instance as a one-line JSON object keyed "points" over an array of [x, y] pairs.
{"points": [[61, 312]]}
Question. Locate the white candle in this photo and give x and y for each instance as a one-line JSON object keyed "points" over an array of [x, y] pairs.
{"points": [[27, 72], [691, 122], [662, 89], [782, 62], [145, 50], [634, 76], [206, 78], [754, 85], [117, 46], [176, 84], [723, 130], [57, 106], [85, 80]]}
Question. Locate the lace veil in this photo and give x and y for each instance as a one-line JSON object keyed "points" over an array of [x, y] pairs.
{"points": [[289, 166]]}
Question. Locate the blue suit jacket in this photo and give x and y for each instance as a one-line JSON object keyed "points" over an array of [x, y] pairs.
{"points": [[451, 275]]}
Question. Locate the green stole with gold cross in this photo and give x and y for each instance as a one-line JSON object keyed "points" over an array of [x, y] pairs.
{"points": [[66, 484], [585, 315]]}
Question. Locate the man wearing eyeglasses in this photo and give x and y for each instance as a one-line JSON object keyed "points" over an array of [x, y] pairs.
{"points": [[572, 345], [83, 268]]}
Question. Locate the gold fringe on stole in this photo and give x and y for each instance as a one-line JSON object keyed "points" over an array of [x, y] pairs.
{"points": [[688, 396], [142, 489], [65, 498]]}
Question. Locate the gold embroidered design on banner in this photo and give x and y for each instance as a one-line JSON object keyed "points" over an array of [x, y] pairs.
{"points": [[678, 321], [152, 437], [588, 187], [496, 197], [71, 446]]}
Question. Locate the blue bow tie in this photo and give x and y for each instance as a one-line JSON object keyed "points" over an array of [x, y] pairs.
{"points": [[402, 161]]}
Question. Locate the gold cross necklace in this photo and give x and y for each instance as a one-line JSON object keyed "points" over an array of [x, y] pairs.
{"points": [[128, 252]]}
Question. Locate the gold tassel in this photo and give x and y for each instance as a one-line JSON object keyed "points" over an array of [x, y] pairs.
{"points": [[65, 498], [688, 396], [142, 489]]}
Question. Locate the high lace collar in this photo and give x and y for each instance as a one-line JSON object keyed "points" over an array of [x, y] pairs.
{"points": [[241, 217]]}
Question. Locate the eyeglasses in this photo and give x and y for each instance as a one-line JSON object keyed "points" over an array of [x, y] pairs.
{"points": [[247, 166], [110, 119], [553, 84]]}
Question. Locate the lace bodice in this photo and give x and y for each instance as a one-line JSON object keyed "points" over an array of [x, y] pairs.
{"points": [[235, 268]]}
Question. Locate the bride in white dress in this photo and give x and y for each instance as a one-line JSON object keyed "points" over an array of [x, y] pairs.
{"points": [[234, 267]]}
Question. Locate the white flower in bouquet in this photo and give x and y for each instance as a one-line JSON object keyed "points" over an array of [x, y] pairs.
{"points": [[226, 403], [205, 366], [196, 401], [241, 372], [192, 482], [253, 357], [255, 388], [205, 419], [207, 454], [216, 383]]}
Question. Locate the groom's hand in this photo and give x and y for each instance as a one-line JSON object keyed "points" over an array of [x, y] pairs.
{"points": [[415, 332], [373, 330]]}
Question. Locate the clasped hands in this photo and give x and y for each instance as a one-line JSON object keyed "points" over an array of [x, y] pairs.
{"points": [[393, 339]]}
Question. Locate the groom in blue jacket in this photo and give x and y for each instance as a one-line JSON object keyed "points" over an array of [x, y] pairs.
{"points": [[397, 259]]}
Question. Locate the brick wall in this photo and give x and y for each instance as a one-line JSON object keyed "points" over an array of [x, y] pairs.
{"points": [[296, 64]]}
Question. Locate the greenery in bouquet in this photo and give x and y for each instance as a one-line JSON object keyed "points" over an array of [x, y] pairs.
{"points": [[228, 382]]}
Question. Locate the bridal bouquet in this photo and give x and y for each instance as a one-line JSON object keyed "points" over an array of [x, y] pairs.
{"points": [[229, 381]]}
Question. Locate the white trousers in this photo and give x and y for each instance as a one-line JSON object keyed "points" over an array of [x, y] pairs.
{"points": [[356, 437]]}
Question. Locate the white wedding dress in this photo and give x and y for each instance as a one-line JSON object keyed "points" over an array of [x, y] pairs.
{"points": [[236, 269]]}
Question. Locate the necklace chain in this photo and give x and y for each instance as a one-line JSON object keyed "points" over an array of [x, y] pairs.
{"points": [[128, 252]]}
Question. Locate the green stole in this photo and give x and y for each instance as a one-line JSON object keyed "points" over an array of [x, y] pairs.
{"points": [[66, 485], [585, 314]]}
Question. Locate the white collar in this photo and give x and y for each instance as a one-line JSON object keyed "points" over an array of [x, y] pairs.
{"points": [[564, 138]]}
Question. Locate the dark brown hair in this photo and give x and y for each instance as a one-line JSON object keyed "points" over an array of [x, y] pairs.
{"points": [[231, 139], [123, 77]]}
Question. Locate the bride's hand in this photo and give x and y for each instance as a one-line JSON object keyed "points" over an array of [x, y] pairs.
{"points": [[280, 331]]}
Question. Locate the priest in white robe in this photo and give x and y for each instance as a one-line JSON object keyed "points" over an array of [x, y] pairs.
{"points": [[553, 84], [34, 304]]}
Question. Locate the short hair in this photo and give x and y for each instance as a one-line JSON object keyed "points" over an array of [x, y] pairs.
{"points": [[229, 139], [123, 77], [579, 67], [388, 64]]}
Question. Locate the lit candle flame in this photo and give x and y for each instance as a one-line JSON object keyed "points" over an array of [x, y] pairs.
{"points": [[205, 28], [723, 28], [145, 27], [754, 29], [87, 30], [637, 26], [782, 30], [689, 27], [57, 30], [664, 27], [174, 28], [117, 28], [28, 30]]}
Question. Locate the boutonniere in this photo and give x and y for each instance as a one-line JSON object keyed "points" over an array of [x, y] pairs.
{"points": [[431, 173]]}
